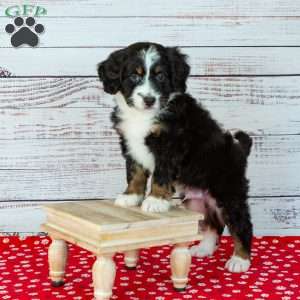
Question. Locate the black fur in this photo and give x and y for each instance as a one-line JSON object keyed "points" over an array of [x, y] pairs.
{"points": [[193, 150], [245, 141], [116, 70], [109, 71]]}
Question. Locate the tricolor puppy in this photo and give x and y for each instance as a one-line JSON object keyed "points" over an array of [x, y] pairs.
{"points": [[144, 75], [166, 133]]}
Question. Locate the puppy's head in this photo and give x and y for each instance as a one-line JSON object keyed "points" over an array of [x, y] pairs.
{"points": [[145, 73]]}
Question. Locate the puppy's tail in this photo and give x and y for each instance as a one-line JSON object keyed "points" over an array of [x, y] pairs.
{"points": [[244, 140]]}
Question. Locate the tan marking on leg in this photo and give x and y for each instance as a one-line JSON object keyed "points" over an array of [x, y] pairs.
{"points": [[161, 191], [138, 183], [239, 249]]}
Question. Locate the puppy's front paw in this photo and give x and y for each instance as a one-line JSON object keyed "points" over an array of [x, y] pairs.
{"points": [[127, 200], [153, 204], [237, 264]]}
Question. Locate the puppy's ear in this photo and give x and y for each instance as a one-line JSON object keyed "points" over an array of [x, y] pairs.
{"points": [[109, 71], [179, 68]]}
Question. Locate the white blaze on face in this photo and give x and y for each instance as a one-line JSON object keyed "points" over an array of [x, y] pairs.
{"points": [[146, 89]]}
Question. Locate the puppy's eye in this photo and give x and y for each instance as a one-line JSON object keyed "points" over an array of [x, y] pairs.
{"points": [[160, 77], [135, 78]]}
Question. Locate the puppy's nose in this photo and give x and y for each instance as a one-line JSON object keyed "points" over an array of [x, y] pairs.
{"points": [[149, 101]]}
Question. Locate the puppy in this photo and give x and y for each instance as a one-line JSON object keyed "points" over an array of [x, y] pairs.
{"points": [[144, 75], [164, 132]]}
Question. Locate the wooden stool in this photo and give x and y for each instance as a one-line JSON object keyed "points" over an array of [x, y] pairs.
{"points": [[103, 228]]}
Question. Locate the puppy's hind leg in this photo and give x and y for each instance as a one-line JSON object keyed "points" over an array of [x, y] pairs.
{"points": [[237, 219], [211, 228], [207, 245]]}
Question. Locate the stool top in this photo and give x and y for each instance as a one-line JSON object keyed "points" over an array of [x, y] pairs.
{"points": [[100, 222], [106, 215]]}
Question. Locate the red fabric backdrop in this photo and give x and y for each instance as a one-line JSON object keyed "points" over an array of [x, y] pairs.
{"points": [[275, 273]]}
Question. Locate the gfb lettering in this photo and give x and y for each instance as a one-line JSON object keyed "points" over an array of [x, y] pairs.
{"points": [[25, 10]]}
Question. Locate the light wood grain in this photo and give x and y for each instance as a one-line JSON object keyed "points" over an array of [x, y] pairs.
{"points": [[270, 216], [57, 257], [108, 226], [57, 123], [221, 31], [94, 123], [78, 108], [60, 184], [66, 169], [203, 61], [21, 217], [114, 218], [92, 8], [90, 155], [180, 266], [93, 247], [109, 233], [88, 92], [104, 272], [50, 92]]}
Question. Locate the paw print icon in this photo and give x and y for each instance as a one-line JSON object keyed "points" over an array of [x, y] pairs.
{"points": [[24, 32]]}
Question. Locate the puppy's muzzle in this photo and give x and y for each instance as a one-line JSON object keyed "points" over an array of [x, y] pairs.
{"points": [[149, 101]]}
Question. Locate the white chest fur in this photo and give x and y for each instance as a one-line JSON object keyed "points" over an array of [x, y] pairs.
{"points": [[135, 126]]}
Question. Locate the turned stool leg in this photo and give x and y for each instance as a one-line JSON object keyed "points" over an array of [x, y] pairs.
{"points": [[131, 258], [180, 266], [57, 257], [104, 272]]}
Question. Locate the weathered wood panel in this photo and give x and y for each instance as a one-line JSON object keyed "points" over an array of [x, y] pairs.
{"points": [[95, 8], [272, 103], [203, 60], [55, 136], [59, 123], [279, 175], [25, 219], [41, 123], [87, 92], [70, 169], [51, 92], [94, 155], [194, 31], [269, 216], [60, 184]]}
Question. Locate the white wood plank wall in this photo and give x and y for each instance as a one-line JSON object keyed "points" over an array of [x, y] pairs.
{"points": [[56, 141]]}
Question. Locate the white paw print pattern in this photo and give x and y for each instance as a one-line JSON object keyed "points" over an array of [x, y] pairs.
{"points": [[274, 273]]}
